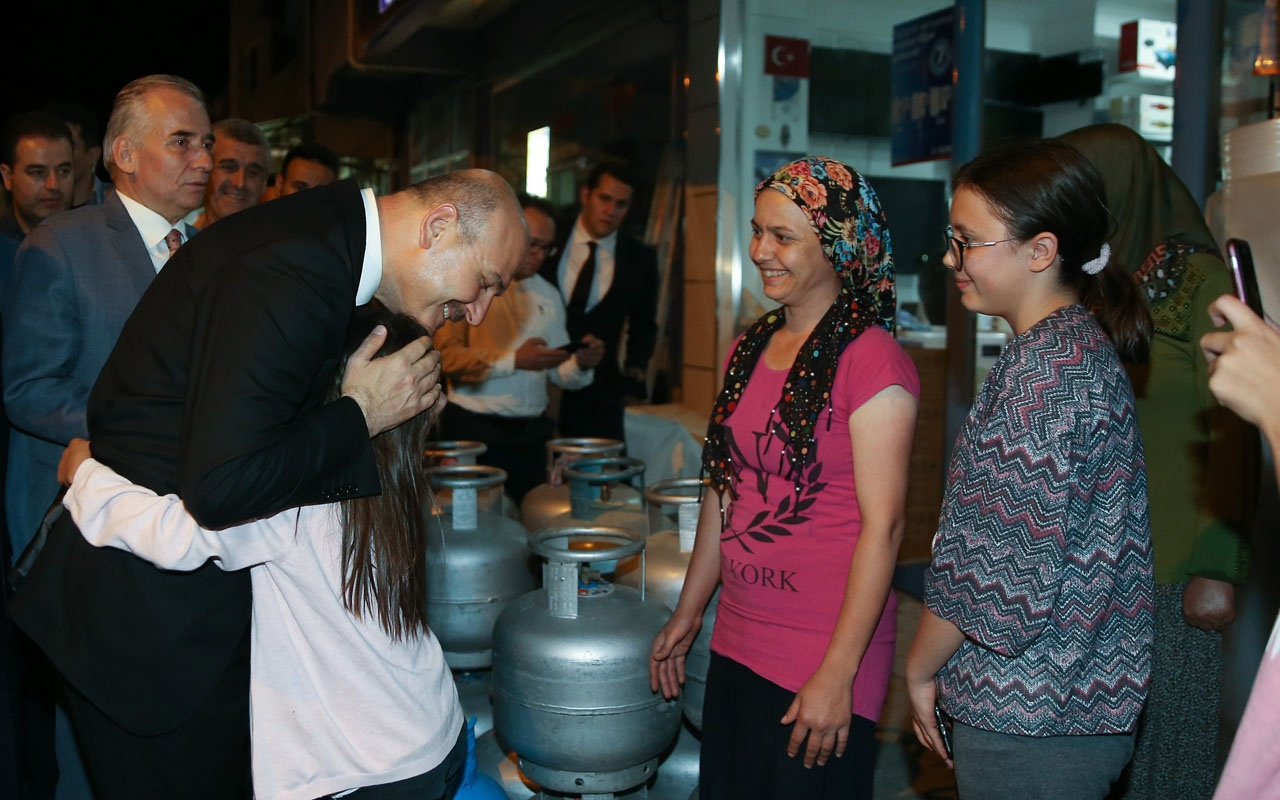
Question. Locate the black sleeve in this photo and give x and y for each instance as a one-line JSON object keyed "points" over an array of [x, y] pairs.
{"points": [[256, 436]]}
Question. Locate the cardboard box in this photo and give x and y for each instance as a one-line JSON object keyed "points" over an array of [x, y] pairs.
{"points": [[1155, 117], [1151, 115], [1149, 47]]}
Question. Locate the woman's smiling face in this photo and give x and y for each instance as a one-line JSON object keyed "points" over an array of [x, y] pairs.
{"points": [[793, 267]]}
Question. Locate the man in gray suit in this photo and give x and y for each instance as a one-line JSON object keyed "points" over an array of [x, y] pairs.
{"points": [[76, 279]]}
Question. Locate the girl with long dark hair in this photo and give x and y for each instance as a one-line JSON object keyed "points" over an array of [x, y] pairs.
{"points": [[349, 688]]}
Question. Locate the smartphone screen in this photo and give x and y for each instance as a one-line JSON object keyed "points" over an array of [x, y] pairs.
{"points": [[1240, 260]]}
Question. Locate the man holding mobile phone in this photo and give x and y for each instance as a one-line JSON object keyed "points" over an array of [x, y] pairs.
{"points": [[497, 372]]}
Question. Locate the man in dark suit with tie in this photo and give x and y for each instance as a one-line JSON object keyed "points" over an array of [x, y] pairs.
{"points": [[608, 280], [74, 281], [214, 392]]}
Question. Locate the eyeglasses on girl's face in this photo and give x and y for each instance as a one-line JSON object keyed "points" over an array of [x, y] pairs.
{"points": [[956, 247]]}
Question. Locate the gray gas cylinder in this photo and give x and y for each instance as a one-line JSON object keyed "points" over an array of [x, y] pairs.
{"points": [[551, 499], [453, 452], [571, 671], [477, 562], [674, 508]]}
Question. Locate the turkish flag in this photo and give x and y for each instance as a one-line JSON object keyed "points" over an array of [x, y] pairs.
{"points": [[786, 56]]}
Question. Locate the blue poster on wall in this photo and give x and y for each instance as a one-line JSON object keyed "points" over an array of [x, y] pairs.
{"points": [[921, 86]]}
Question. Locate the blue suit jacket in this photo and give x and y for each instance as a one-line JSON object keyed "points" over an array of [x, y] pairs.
{"points": [[74, 282]]}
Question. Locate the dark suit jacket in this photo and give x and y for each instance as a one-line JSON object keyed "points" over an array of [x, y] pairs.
{"points": [[632, 300], [214, 392], [73, 284]]}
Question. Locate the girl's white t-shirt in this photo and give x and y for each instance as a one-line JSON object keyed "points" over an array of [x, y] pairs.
{"points": [[335, 703]]}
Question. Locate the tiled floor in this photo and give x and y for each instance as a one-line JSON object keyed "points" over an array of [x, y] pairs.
{"points": [[904, 770]]}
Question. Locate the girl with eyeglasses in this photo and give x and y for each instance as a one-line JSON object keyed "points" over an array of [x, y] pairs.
{"points": [[1034, 646]]}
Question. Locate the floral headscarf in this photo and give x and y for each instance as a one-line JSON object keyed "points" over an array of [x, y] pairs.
{"points": [[845, 214]]}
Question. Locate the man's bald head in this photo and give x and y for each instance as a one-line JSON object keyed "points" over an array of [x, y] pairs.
{"points": [[480, 196], [450, 244]]}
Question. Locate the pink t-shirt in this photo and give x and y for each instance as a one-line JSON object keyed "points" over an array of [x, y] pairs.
{"points": [[784, 563]]}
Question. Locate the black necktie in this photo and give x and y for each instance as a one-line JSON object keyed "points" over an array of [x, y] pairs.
{"points": [[582, 289]]}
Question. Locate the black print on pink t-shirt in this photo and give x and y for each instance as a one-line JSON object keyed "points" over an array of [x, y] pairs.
{"points": [[767, 525]]}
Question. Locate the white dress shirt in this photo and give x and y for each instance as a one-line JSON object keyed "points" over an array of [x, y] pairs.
{"points": [[153, 229], [371, 267], [575, 255], [480, 362]]}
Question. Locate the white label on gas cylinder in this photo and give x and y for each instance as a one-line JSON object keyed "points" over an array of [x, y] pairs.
{"points": [[464, 509], [687, 518]]}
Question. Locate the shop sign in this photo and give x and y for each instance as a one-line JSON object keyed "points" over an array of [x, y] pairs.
{"points": [[922, 77]]}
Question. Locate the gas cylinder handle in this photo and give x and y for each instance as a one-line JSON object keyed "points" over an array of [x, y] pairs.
{"points": [[675, 491], [460, 451], [593, 471], [561, 452], [563, 562], [683, 493], [466, 476], [584, 445], [466, 481], [544, 543]]}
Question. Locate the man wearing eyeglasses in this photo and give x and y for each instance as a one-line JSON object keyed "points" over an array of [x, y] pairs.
{"points": [[497, 372]]}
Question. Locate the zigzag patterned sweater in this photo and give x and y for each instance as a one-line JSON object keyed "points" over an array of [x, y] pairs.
{"points": [[1043, 551]]}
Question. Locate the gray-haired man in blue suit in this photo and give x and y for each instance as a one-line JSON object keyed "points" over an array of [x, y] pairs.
{"points": [[77, 277], [74, 282]]}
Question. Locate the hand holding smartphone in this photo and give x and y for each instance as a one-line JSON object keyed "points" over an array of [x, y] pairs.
{"points": [[944, 729], [1240, 261], [572, 347]]}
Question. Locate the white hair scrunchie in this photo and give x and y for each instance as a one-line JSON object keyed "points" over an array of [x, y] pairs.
{"points": [[1095, 266]]}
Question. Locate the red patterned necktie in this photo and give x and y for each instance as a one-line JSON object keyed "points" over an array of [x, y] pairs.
{"points": [[174, 240]]}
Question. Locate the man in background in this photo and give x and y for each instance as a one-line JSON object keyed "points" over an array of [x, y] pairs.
{"points": [[306, 166], [36, 166], [498, 371], [74, 282], [86, 147], [609, 280], [240, 155]]}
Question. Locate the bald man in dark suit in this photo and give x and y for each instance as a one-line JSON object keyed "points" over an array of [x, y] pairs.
{"points": [[215, 392]]}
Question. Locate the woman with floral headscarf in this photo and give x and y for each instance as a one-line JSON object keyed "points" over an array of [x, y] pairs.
{"points": [[1198, 457], [807, 453]]}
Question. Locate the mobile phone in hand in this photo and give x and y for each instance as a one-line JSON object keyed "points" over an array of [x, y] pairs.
{"points": [[1240, 260], [944, 729], [572, 347]]}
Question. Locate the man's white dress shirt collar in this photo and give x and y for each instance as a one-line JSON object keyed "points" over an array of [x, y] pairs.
{"points": [[575, 255], [152, 228], [371, 268]]}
